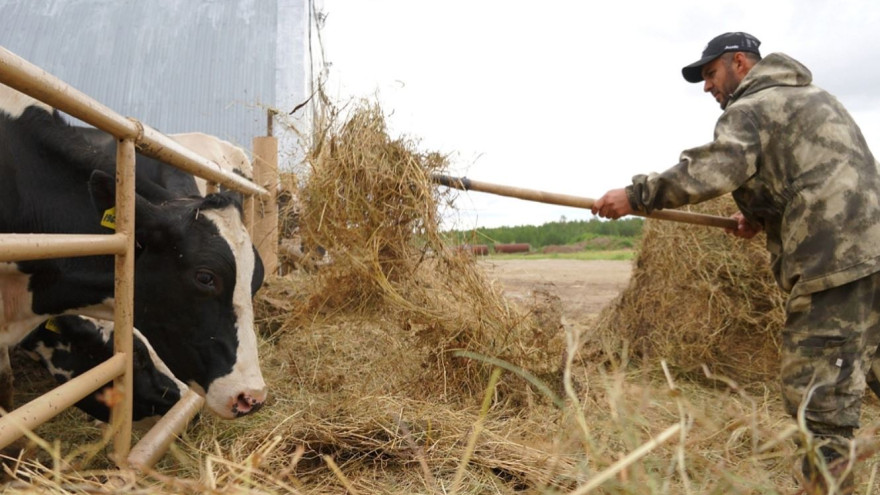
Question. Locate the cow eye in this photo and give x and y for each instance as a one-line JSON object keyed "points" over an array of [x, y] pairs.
{"points": [[206, 280]]}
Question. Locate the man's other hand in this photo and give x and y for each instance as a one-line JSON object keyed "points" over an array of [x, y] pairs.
{"points": [[614, 204], [744, 228]]}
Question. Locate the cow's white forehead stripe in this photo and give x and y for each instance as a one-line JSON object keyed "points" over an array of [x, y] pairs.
{"points": [[246, 374], [231, 228]]}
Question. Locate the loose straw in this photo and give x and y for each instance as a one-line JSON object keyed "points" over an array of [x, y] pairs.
{"points": [[622, 464]]}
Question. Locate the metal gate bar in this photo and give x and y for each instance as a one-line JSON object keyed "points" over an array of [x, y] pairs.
{"points": [[21, 247], [120, 414], [48, 405]]}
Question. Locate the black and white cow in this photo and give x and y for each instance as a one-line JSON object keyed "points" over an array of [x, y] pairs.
{"points": [[196, 268], [74, 344], [70, 345]]}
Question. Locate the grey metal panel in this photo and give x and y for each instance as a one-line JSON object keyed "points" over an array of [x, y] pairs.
{"points": [[177, 65]]}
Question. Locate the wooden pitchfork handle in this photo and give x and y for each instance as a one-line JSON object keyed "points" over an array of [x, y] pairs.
{"points": [[466, 184]]}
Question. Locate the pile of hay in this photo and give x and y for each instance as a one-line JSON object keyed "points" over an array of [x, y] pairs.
{"points": [[699, 296], [370, 202]]}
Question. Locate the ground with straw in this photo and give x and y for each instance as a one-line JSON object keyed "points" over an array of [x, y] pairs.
{"points": [[399, 367]]}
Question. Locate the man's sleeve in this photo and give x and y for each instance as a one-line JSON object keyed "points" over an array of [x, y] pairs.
{"points": [[704, 172]]}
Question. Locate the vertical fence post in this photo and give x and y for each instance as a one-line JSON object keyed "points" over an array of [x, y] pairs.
{"points": [[265, 231], [123, 396]]}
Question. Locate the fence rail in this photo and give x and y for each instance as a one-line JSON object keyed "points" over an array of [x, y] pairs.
{"points": [[29, 79], [47, 406], [23, 247]]}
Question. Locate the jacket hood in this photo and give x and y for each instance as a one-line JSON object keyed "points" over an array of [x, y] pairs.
{"points": [[776, 69]]}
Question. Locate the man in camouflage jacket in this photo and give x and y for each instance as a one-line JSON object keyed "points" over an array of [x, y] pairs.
{"points": [[799, 169]]}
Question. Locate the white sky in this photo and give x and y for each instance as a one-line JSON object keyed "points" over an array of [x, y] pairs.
{"points": [[572, 96]]}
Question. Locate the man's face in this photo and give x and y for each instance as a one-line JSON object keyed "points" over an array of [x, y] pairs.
{"points": [[720, 79]]}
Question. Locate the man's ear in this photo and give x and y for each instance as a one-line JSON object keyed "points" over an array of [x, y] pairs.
{"points": [[742, 64]]}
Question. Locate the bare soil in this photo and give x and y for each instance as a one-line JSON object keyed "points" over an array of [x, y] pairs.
{"points": [[584, 287]]}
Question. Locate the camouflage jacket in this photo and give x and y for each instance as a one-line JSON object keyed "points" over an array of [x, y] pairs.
{"points": [[798, 165]]}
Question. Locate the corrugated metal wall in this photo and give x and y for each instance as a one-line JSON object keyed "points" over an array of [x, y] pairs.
{"points": [[177, 65]]}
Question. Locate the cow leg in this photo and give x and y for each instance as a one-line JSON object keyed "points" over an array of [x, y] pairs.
{"points": [[6, 390]]}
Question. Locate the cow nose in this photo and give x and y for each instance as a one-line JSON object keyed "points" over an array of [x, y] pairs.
{"points": [[248, 402]]}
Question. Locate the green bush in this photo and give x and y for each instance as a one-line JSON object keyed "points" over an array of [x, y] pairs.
{"points": [[623, 233]]}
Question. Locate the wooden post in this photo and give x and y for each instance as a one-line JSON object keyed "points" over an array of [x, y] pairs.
{"points": [[265, 230]]}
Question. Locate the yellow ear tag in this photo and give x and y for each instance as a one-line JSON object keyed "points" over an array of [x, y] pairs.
{"points": [[109, 218], [52, 325]]}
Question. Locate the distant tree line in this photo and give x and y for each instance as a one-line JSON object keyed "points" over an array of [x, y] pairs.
{"points": [[551, 233]]}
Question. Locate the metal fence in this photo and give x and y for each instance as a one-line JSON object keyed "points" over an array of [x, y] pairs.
{"points": [[25, 77]]}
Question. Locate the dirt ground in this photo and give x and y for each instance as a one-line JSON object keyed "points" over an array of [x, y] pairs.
{"points": [[584, 287]]}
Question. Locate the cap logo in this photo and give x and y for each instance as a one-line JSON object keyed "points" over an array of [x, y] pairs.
{"points": [[731, 47]]}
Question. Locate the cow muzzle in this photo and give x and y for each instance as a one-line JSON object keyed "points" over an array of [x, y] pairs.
{"points": [[248, 402], [230, 402]]}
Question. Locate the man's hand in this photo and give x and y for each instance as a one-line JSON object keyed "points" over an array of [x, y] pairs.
{"points": [[613, 205], [744, 228]]}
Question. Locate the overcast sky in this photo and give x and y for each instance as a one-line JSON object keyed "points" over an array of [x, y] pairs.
{"points": [[571, 96]]}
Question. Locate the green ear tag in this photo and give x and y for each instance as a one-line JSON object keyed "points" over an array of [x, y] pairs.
{"points": [[52, 325], [109, 218]]}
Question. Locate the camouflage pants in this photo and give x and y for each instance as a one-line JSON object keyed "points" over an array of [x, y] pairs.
{"points": [[829, 340]]}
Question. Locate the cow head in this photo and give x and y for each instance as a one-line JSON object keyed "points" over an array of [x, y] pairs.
{"points": [[69, 345], [196, 271]]}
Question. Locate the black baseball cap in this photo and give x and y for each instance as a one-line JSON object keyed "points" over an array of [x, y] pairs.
{"points": [[727, 42]]}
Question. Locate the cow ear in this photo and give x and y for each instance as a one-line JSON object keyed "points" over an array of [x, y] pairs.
{"points": [[148, 224], [102, 187], [150, 231], [83, 332]]}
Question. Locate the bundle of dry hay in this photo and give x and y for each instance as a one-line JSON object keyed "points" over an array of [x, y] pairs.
{"points": [[370, 202], [698, 296]]}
